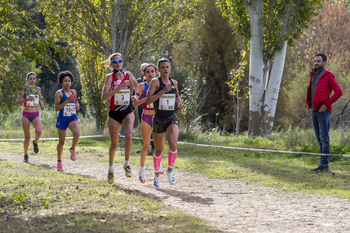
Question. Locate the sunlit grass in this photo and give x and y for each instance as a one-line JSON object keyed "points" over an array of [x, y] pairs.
{"points": [[73, 203]]}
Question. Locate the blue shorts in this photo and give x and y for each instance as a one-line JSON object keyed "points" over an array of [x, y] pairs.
{"points": [[63, 121]]}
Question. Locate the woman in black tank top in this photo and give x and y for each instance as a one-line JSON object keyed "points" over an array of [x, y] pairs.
{"points": [[164, 94]]}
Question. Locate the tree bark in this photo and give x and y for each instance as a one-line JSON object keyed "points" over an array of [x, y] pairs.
{"points": [[255, 9], [273, 88]]}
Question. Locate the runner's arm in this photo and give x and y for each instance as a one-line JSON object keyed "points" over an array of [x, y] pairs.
{"points": [[151, 97], [20, 99]]}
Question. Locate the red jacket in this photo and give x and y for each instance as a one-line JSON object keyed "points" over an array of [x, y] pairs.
{"points": [[323, 91]]}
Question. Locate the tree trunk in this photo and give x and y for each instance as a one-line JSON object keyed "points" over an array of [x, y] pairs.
{"points": [[114, 20], [273, 88], [255, 9]]}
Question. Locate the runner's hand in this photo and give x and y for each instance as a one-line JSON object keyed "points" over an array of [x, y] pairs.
{"points": [[70, 98], [180, 105]]}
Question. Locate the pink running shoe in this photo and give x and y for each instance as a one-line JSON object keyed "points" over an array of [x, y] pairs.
{"points": [[59, 166], [73, 155]]}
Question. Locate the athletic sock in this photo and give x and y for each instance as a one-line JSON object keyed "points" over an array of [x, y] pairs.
{"points": [[111, 168], [156, 162], [126, 162], [171, 158]]}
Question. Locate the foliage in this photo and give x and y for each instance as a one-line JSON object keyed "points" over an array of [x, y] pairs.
{"points": [[219, 54], [327, 33], [96, 29], [292, 109], [32, 89], [22, 42], [239, 89], [274, 24], [282, 20]]}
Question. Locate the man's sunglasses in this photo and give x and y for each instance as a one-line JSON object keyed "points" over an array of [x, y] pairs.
{"points": [[117, 61]]}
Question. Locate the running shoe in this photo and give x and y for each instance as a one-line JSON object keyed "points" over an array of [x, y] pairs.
{"points": [[110, 177], [127, 169], [142, 177], [59, 166], [26, 159], [171, 177], [161, 170], [156, 182], [73, 155], [36, 148]]}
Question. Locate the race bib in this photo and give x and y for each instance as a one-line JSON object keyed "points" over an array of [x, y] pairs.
{"points": [[69, 109], [122, 97], [34, 102], [150, 105], [167, 102]]}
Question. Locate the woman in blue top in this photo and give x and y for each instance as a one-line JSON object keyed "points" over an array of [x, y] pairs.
{"points": [[164, 94], [67, 105]]}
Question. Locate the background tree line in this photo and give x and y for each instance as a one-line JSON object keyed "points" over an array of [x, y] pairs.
{"points": [[203, 40]]}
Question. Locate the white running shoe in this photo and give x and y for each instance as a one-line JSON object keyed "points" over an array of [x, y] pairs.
{"points": [[171, 177], [161, 170], [142, 177], [156, 182]]}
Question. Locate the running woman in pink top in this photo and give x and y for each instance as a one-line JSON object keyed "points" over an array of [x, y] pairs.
{"points": [[30, 97], [117, 89], [150, 72]]}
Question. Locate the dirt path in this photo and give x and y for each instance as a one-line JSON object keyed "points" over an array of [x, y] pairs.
{"points": [[226, 204]]}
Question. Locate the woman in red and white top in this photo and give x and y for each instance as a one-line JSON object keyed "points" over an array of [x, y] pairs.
{"points": [[117, 89]]}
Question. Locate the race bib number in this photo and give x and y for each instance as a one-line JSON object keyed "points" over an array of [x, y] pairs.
{"points": [[69, 109], [150, 105], [34, 102], [167, 102], [122, 97]]}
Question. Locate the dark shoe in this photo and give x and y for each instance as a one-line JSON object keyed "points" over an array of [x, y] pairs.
{"points": [[36, 148], [151, 152], [138, 152], [324, 169], [316, 169], [25, 159]]}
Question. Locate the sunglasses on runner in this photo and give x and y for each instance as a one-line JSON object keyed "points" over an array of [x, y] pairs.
{"points": [[117, 61]]}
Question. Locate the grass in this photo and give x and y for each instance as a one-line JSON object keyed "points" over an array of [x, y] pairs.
{"points": [[283, 171], [73, 203], [290, 172]]}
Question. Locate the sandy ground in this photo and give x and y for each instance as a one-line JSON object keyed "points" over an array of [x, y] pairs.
{"points": [[226, 204]]}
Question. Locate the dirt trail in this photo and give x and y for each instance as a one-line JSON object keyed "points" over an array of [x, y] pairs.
{"points": [[226, 204]]}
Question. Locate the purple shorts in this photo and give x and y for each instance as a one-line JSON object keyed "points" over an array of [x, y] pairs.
{"points": [[147, 118], [30, 115]]}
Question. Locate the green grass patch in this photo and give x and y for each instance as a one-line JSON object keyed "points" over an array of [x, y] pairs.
{"points": [[33, 199]]}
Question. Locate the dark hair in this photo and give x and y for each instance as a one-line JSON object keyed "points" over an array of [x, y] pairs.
{"points": [[161, 61], [30, 73], [64, 74], [324, 57], [149, 65]]}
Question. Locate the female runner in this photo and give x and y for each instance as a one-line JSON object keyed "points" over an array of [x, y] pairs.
{"points": [[66, 102], [150, 72], [30, 97], [117, 89], [164, 94]]}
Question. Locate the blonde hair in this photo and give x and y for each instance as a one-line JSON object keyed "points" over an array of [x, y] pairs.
{"points": [[108, 61]]}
